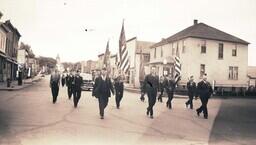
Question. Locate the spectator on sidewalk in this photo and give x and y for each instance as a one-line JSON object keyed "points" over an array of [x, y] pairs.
{"points": [[54, 84]]}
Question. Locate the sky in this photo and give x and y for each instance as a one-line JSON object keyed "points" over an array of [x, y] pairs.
{"points": [[54, 27]]}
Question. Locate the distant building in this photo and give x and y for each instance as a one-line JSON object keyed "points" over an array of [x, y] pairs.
{"points": [[113, 65], [88, 66], [252, 76], [99, 64], [139, 56], [8, 61], [204, 49], [59, 65], [3, 70], [91, 65]]}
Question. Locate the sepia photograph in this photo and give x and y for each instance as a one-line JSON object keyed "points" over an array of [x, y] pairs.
{"points": [[127, 72]]}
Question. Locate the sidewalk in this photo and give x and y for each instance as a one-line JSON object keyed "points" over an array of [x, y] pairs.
{"points": [[137, 90], [14, 85]]}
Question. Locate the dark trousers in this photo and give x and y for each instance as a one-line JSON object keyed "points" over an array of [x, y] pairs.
{"points": [[70, 92], [103, 102], [161, 95], [151, 101], [76, 97], [169, 101], [203, 108], [55, 92], [190, 100], [119, 96]]}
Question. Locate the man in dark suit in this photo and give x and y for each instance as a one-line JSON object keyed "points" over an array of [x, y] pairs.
{"points": [[102, 91], [204, 90], [54, 84], [119, 88], [78, 81], [161, 89], [69, 81], [63, 80], [191, 86], [170, 85], [151, 84]]}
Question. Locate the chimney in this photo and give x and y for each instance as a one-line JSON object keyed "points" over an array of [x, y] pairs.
{"points": [[195, 21]]}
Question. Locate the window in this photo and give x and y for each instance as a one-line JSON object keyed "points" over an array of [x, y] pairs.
{"points": [[183, 46], [146, 58], [173, 50], [177, 49], [234, 51], [220, 56], [161, 51], [203, 46], [233, 73], [155, 53], [202, 70]]}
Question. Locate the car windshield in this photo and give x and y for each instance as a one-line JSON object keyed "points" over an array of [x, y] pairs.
{"points": [[86, 76]]}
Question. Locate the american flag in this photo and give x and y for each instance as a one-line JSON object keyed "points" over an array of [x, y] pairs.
{"points": [[123, 60], [177, 66]]}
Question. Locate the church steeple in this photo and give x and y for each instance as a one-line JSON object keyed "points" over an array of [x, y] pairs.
{"points": [[58, 59]]}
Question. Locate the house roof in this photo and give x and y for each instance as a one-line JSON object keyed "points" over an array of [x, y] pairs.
{"points": [[203, 31], [9, 24], [251, 71]]}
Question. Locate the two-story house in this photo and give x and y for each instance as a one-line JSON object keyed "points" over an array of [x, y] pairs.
{"points": [[3, 33], [12, 41], [204, 49], [139, 56]]}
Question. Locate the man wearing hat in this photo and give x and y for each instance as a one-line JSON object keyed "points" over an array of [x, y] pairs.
{"points": [[191, 87], [204, 90], [102, 90], [151, 84], [78, 80], [54, 84], [119, 88]]}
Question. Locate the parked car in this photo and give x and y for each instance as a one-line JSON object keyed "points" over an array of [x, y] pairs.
{"points": [[87, 81]]}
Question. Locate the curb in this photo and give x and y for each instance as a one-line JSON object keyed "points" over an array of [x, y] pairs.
{"points": [[25, 85]]}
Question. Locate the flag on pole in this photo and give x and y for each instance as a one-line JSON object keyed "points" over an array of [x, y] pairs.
{"points": [[123, 60], [106, 60], [177, 66]]}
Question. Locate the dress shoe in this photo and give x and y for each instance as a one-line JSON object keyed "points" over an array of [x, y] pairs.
{"points": [[147, 112], [101, 117], [198, 113], [151, 116]]}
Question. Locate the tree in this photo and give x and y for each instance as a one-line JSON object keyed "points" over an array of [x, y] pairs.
{"points": [[47, 61]]}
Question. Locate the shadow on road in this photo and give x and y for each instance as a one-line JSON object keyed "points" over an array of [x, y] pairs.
{"points": [[235, 123], [5, 119]]}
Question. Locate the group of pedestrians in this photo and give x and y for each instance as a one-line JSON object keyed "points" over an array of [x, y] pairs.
{"points": [[151, 85], [102, 89], [73, 81], [104, 86]]}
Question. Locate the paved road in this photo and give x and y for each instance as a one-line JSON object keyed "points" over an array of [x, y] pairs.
{"points": [[28, 117]]}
